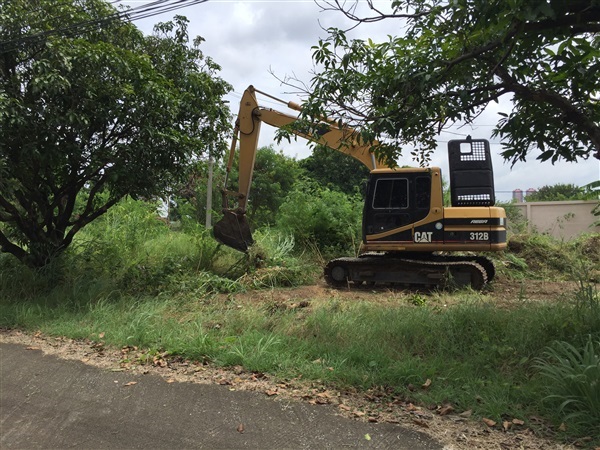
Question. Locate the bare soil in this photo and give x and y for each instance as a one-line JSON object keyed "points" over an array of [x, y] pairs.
{"points": [[456, 430]]}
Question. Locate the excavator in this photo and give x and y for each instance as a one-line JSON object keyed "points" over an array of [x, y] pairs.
{"points": [[407, 232]]}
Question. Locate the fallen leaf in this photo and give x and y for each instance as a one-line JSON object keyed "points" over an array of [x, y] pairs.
{"points": [[271, 392], [32, 348], [101, 335], [426, 384], [368, 437], [240, 428], [489, 422], [421, 423], [506, 425], [445, 410], [466, 413], [344, 407], [131, 383], [518, 422], [358, 413], [159, 362], [373, 419], [562, 427], [170, 380]]}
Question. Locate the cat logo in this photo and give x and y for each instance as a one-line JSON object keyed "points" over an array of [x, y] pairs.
{"points": [[423, 236]]}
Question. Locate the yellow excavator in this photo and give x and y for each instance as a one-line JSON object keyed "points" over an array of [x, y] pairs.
{"points": [[407, 232]]}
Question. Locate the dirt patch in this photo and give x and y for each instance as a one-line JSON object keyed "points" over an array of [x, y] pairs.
{"points": [[503, 291]]}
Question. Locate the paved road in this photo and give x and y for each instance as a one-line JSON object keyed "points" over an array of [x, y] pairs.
{"points": [[46, 402]]}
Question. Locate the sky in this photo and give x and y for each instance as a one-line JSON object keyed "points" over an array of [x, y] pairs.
{"points": [[260, 42]]}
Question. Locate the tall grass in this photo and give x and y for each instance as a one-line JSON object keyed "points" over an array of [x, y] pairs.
{"points": [[573, 373]]}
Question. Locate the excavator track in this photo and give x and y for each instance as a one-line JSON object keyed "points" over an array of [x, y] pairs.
{"points": [[433, 272]]}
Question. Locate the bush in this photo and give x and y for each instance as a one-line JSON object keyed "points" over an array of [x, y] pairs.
{"points": [[330, 219]]}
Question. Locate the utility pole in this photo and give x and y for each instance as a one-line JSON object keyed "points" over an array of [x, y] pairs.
{"points": [[208, 223]]}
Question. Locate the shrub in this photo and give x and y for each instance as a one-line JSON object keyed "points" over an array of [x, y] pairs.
{"points": [[328, 218]]}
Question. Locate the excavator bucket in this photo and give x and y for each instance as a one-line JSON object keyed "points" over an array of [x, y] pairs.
{"points": [[233, 230]]}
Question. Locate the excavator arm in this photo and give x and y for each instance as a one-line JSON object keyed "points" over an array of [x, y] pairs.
{"points": [[233, 230]]}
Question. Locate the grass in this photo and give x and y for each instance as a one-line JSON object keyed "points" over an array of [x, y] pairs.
{"points": [[573, 374], [166, 291], [479, 357]]}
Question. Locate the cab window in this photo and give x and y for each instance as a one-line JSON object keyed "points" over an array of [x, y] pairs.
{"points": [[423, 192], [391, 193]]}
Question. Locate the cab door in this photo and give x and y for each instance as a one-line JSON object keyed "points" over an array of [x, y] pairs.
{"points": [[395, 200]]}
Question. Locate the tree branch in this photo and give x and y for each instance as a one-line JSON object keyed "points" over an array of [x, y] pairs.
{"points": [[349, 12], [571, 112], [8, 247]]}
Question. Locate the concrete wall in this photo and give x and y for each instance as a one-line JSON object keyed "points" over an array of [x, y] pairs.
{"points": [[563, 220]]}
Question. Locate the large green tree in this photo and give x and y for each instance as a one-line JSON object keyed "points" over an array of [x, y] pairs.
{"points": [[334, 169], [91, 114], [274, 176], [450, 59]]}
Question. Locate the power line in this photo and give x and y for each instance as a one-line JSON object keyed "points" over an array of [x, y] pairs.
{"points": [[140, 12]]}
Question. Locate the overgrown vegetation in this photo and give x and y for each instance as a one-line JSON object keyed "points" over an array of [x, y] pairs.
{"points": [[135, 281]]}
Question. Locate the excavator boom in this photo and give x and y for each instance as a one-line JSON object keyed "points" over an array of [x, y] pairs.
{"points": [[233, 230]]}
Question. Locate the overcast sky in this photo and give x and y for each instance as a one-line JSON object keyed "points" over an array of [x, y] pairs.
{"points": [[250, 40]]}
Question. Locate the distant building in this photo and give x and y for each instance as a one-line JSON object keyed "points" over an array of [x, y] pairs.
{"points": [[517, 195], [530, 191]]}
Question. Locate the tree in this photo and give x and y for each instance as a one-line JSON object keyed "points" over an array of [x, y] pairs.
{"points": [[91, 114], [334, 169], [274, 177], [328, 218], [560, 191], [453, 59]]}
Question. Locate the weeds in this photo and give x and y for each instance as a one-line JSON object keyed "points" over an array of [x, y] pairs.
{"points": [[574, 376], [256, 355]]}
